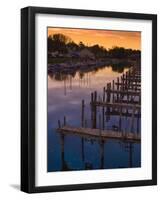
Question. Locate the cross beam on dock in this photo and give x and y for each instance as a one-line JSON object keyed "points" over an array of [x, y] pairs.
{"points": [[97, 133], [129, 84], [127, 101], [116, 105], [124, 92], [131, 79], [123, 114]]}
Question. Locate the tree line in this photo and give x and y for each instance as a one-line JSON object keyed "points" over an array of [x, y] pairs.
{"points": [[62, 44]]}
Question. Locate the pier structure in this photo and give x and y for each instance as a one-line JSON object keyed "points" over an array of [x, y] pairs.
{"points": [[122, 98]]}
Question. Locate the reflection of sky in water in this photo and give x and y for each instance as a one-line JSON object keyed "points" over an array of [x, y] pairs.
{"points": [[64, 99]]}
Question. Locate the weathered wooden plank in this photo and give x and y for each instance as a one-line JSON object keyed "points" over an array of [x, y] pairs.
{"points": [[116, 105], [129, 84], [127, 101], [124, 114], [125, 92], [132, 79], [102, 134]]}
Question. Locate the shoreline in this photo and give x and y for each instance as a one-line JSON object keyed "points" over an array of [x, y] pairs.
{"points": [[89, 65]]}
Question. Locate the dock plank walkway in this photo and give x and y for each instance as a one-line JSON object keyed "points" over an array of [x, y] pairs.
{"points": [[129, 84], [102, 134], [124, 92], [116, 105]]}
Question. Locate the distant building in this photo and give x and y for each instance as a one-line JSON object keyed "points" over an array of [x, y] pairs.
{"points": [[85, 53]]}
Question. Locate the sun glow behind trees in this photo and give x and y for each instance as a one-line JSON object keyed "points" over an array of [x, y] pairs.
{"points": [[105, 38]]}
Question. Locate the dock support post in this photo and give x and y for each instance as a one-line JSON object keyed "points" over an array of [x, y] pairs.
{"points": [[104, 94], [130, 154], [62, 151], [102, 153], [103, 118], [120, 119], [64, 120], [138, 121], [95, 111], [83, 105], [82, 148], [100, 125], [132, 119], [113, 88], [59, 124], [117, 89]]}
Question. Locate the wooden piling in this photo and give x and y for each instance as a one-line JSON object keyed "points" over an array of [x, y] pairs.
{"points": [[82, 117], [64, 120], [85, 123], [132, 119], [104, 89], [130, 154], [62, 151], [120, 119], [102, 154], [138, 122], [100, 124], [95, 96], [108, 92], [113, 87], [82, 149], [59, 124], [123, 78], [117, 89], [103, 118]]}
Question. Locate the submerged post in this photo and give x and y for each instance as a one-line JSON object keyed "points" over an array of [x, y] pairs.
{"points": [[103, 118], [104, 94], [85, 123], [92, 100], [113, 88], [59, 124], [138, 114], [102, 153], [117, 89], [95, 96], [64, 120], [123, 81], [132, 119], [120, 120], [82, 148], [130, 154], [92, 97], [83, 105], [62, 151], [100, 124], [126, 84]]}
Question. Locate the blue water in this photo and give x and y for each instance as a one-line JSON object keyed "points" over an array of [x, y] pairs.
{"points": [[65, 94]]}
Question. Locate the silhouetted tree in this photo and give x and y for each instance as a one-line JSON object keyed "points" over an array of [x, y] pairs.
{"points": [[81, 46], [58, 42]]}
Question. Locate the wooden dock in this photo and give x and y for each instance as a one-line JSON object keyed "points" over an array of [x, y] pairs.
{"points": [[130, 84], [97, 133], [124, 92], [117, 105], [121, 97], [123, 114]]}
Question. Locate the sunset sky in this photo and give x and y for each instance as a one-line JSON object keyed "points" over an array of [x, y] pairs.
{"points": [[106, 38]]}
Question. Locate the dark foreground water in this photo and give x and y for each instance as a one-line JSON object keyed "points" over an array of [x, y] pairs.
{"points": [[65, 93]]}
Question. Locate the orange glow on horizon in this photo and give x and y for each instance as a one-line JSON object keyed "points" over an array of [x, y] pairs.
{"points": [[105, 38]]}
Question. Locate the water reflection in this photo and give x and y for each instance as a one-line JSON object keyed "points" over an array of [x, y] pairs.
{"points": [[66, 75], [70, 152]]}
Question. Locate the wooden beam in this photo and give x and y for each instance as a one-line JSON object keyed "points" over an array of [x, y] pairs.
{"points": [[125, 92], [105, 134], [116, 105]]}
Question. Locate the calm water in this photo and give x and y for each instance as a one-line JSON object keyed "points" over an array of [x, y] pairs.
{"points": [[65, 93]]}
